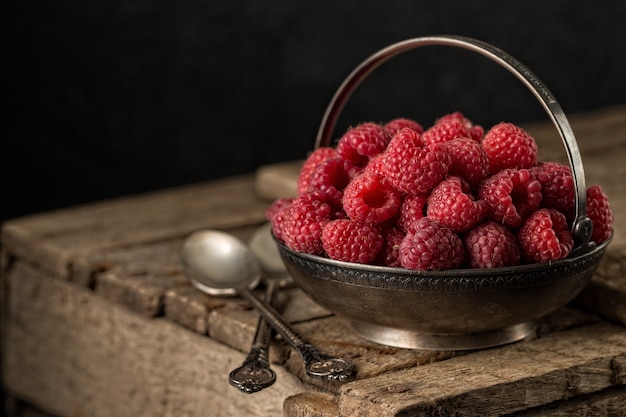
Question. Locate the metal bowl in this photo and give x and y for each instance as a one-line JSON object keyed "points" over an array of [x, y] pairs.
{"points": [[454, 309], [461, 308]]}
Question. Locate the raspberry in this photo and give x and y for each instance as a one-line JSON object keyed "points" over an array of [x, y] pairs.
{"points": [[375, 165], [311, 162], [545, 236], [330, 178], [512, 195], [275, 213], [452, 126], [491, 245], [413, 208], [600, 214], [431, 246], [509, 146], [370, 198], [362, 142], [411, 167], [394, 125], [452, 206], [557, 187], [351, 241], [303, 223], [469, 160], [388, 255]]}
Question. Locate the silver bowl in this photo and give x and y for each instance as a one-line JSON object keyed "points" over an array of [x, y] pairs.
{"points": [[461, 308], [454, 309]]}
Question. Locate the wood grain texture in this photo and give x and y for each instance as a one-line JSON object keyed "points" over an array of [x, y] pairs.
{"points": [[56, 239], [73, 353], [556, 367], [138, 276], [608, 403], [311, 404], [187, 307]]}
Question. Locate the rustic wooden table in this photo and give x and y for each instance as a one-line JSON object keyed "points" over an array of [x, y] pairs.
{"points": [[98, 318]]}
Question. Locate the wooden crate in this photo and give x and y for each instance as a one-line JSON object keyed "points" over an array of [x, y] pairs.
{"points": [[98, 318]]}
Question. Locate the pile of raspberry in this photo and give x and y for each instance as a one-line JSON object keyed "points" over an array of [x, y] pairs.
{"points": [[450, 196]]}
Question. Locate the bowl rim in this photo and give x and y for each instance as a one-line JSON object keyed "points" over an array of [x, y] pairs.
{"points": [[449, 273]]}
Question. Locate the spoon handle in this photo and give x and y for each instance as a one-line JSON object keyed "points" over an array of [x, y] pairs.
{"points": [[255, 373], [317, 363]]}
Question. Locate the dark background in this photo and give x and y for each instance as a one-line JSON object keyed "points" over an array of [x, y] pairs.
{"points": [[108, 98]]}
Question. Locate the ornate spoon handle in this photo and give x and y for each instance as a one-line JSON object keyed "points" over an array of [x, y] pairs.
{"points": [[255, 373], [317, 363]]}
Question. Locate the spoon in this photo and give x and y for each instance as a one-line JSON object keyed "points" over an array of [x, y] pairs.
{"points": [[255, 372], [219, 264]]}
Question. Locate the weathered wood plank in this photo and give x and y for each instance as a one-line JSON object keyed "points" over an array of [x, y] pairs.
{"points": [[499, 381], [608, 403], [334, 336], [56, 239], [160, 258], [139, 276], [311, 404], [370, 359], [72, 353], [187, 307], [234, 324]]}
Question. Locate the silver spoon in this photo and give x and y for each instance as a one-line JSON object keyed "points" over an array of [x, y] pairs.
{"points": [[255, 372], [219, 263]]}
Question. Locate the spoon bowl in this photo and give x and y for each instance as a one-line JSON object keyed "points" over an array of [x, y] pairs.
{"points": [[219, 264]]}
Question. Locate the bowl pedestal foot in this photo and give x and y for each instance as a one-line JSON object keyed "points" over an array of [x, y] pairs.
{"points": [[410, 339]]}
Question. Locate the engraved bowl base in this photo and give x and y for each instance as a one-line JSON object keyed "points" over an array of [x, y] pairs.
{"points": [[410, 339]]}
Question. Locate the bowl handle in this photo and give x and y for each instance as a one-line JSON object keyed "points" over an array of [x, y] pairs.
{"points": [[582, 227]]}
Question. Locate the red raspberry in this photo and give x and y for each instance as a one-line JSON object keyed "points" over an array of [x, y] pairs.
{"points": [[469, 160], [512, 195], [509, 146], [362, 142], [303, 223], [452, 126], [475, 131], [351, 241], [311, 162], [545, 236], [413, 208], [431, 246], [600, 214], [375, 165], [412, 168], [330, 178], [393, 126], [557, 187], [388, 255], [275, 213], [491, 245], [370, 198], [451, 205]]}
